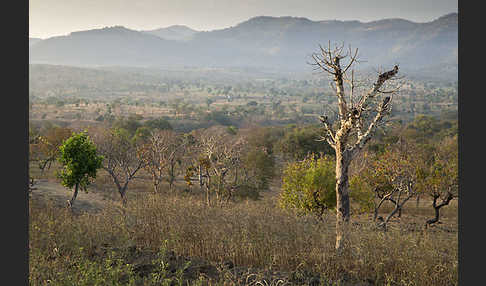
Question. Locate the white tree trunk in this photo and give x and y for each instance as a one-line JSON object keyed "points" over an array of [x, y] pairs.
{"points": [[342, 197]]}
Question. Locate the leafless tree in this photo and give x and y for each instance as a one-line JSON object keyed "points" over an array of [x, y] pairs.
{"points": [[217, 159], [45, 148], [122, 158], [403, 189], [161, 154], [358, 117]]}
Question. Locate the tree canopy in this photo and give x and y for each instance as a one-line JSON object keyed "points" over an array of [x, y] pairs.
{"points": [[80, 162]]}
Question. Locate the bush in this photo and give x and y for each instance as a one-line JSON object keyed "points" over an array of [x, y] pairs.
{"points": [[361, 193], [131, 124], [261, 167], [310, 185], [158, 123], [298, 142], [219, 117]]}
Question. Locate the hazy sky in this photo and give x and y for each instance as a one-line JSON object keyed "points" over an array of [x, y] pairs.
{"points": [[49, 18]]}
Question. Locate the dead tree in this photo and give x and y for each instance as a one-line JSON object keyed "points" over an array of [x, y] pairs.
{"points": [[357, 120], [161, 154], [217, 160], [122, 158]]}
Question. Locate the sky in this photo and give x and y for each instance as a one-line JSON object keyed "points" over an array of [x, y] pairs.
{"points": [[48, 18]]}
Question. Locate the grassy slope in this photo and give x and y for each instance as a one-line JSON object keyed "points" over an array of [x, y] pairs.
{"points": [[157, 237]]}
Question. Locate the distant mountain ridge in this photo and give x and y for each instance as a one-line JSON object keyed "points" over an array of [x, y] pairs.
{"points": [[175, 32], [277, 42]]}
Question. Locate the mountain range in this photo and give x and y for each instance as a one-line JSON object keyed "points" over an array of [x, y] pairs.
{"points": [[282, 43], [175, 32]]}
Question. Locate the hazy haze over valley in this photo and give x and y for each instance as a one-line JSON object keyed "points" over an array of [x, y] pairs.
{"points": [[280, 43]]}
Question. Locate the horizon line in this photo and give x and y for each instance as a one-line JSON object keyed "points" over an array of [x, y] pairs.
{"points": [[258, 16]]}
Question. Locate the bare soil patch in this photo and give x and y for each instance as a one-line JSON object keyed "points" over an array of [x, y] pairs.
{"points": [[48, 190]]}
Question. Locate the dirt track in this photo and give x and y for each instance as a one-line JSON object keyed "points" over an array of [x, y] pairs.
{"points": [[47, 190]]}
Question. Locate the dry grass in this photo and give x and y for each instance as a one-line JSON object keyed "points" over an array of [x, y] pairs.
{"points": [[256, 236]]}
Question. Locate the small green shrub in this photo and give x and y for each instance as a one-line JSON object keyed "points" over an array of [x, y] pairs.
{"points": [[310, 185]]}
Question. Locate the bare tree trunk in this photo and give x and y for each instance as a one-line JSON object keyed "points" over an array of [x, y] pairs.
{"points": [[75, 194], [375, 216], [437, 208], [436, 217], [171, 183], [208, 198], [342, 198], [396, 204], [171, 176], [398, 207], [124, 200], [156, 185], [382, 200], [208, 189], [123, 191]]}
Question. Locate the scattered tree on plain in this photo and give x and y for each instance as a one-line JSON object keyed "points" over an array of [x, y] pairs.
{"points": [[443, 180], [160, 154], [358, 117], [45, 148], [394, 176], [122, 159], [80, 162], [220, 155]]}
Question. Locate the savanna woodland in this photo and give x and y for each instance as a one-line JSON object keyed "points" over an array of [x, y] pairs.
{"points": [[225, 177]]}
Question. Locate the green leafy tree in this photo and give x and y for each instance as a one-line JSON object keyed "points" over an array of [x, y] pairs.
{"points": [[443, 177], [394, 176], [131, 124], [309, 185], [158, 123], [298, 142], [362, 196], [258, 167], [258, 160], [80, 162]]}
